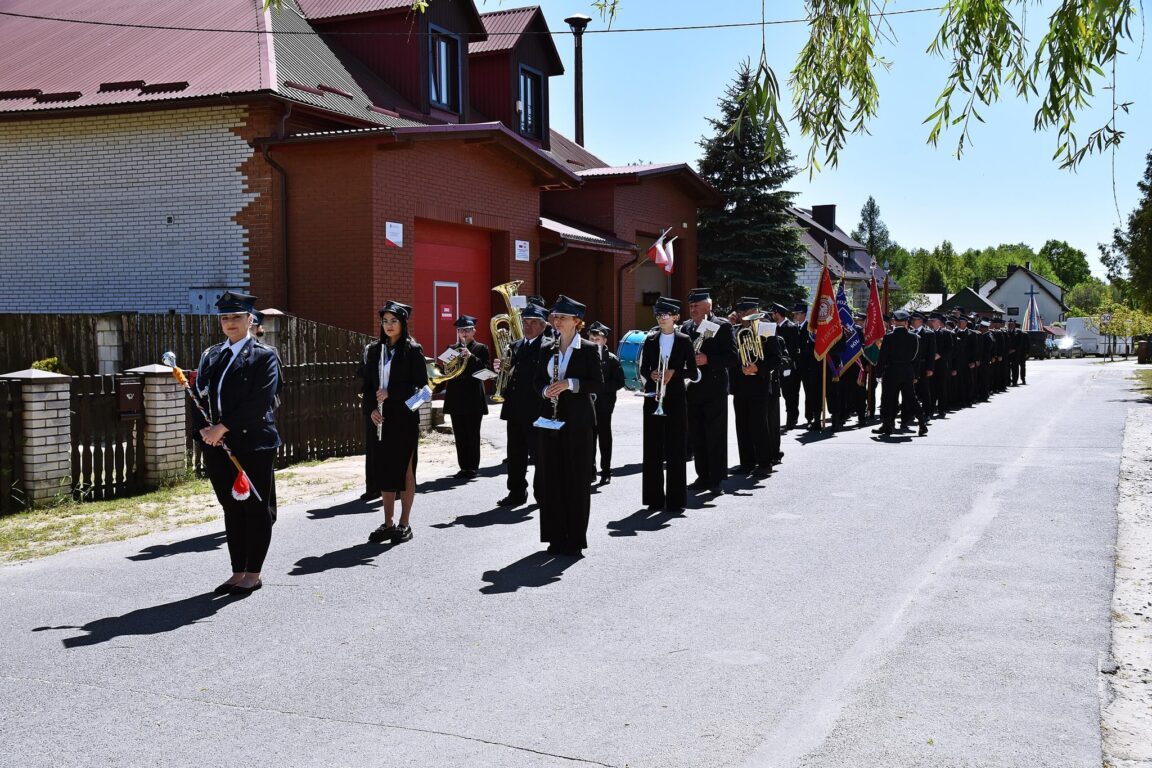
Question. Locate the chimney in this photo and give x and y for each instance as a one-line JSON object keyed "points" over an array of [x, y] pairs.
{"points": [[825, 216], [1028, 266], [577, 22]]}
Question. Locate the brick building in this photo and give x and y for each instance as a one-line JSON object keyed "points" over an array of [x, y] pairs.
{"points": [[326, 157]]}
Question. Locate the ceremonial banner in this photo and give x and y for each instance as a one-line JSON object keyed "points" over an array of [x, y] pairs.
{"points": [[873, 326], [1032, 320], [824, 320], [853, 347]]}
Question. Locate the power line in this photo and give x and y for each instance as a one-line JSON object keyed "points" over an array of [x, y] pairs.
{"points": [[608, 31]]}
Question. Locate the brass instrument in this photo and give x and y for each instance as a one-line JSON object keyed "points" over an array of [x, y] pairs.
{"points": [[748, 342], [506, 328], [697, 345], [452, 369], [661, 385]]}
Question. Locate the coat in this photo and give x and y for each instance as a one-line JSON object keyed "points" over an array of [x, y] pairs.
{"points": [[247, 396], [464, 395], [575, 409], [722, 355]]}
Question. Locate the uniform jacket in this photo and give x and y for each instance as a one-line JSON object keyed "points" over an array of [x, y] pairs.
{"points": [[722, 355], [613, 374], [406, 377], [682, 362], [927, 357], [575, 409], [945, 346], [464, 395], [247, 396], [899, 355], [522, 399], [766, 380]]}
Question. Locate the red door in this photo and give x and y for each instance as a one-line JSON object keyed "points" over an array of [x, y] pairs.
{"points": [[453, 271]]}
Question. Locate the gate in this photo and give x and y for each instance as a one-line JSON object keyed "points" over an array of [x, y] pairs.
{"points": [[11, 446], [107, 452]]}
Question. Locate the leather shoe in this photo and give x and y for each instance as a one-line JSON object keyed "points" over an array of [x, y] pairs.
{"points": [[605, 478], [512, 500], [698, 485], [760, 472], [923, 430], [223, 589], [239, 590], [882, 431]]}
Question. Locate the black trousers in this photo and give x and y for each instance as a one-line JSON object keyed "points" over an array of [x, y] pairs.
{"points": [[522, 439], [563, 491], [938, 386], [924, 395], [899, 386], [708, 431], [791, 387], [665, 478], [466, 431], [1023, 370], [757, 438], [248, 523], [813, 392], [602, 434]]}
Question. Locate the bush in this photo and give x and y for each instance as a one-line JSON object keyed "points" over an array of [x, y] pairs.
{"points": [[53, 365]]}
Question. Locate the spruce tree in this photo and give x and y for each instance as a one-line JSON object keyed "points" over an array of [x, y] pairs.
{"points": [[872, 232], [752, 245]]}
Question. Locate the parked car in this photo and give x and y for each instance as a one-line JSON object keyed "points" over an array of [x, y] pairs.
{"points": [[1069, 347]]}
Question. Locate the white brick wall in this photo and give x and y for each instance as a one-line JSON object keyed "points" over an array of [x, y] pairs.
{"points": [[83, 208]]}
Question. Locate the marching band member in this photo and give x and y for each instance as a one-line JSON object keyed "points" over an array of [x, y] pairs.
{"points": [[605, 401], [567, 376], [522, 403], [667, 361], [464, 398], [393, 371], [756, 395], [237, 380], [708, 398]]}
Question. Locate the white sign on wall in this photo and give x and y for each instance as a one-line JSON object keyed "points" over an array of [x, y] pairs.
{"points": [[394, 234], [522, 253]]}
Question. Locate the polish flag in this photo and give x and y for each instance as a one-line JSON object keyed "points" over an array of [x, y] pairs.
{"points": [[656, 252], [669, 255]]}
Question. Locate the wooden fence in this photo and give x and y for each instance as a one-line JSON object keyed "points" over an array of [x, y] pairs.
{"points": [[26, 338], [11, 446], [147, 337], [107, 452]]}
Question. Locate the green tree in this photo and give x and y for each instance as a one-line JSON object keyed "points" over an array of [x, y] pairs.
{"points": [[835, 92], [872, 232], [934, 281], [1128, 258], [1070, 264], [751, 245], [1088, 298]]}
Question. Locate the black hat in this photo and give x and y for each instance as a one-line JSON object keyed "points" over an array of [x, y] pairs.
{"points": [[918, 316], [900, 315], [258, 318], [663, 304], [235, 302], [599, 327], [536, 301], [746, 303], [465, 321], [779, 308], [534, 312], [800, 307], [567, 306], [961, 318], [699, 294], [402, 311], [936, 316], [985, 324], [1013, 321], [949, 324]]}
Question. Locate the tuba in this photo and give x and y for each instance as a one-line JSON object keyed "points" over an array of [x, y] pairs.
{"points": [[506, 329], [748, 342]]}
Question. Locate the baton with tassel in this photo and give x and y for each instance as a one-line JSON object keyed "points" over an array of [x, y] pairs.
{"points": [[242, 488]]}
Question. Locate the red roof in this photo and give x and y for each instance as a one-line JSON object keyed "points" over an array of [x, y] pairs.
{"points": [[504, 29], [329, 9]]}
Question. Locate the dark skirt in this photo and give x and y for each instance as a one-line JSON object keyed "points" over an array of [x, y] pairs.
{"points": [[562, 487], [387, 461]]}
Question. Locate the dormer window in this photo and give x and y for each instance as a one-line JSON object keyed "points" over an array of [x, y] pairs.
{"points": [[531, 103], [444, 70]]}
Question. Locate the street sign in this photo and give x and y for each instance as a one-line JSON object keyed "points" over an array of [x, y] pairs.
{"points": [[1106, 318]]}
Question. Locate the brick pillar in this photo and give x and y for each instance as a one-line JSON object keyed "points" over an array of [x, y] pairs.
{"points": [[165, 456], [47, 423], [109, 343], [275, 326]]}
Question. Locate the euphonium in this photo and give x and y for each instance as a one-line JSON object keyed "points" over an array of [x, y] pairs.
{"points": [[451, 370], [748, 342], [506, 328]]}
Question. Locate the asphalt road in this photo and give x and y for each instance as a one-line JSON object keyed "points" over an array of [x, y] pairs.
{"points": [[938, 601]]}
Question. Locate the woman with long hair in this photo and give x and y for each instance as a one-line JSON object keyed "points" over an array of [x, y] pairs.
{"points": [[393, 371], [567, 375]]}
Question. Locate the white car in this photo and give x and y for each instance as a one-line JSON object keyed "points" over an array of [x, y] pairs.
{"points": [[1069, 347]]}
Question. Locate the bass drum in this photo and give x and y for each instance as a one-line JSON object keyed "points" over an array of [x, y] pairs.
{"points": [[629, 354]]}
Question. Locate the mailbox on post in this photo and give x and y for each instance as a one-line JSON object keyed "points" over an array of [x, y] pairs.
{"points": [[130, 398]]}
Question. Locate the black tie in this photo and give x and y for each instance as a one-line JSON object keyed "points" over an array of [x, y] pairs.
{"points": [[214, 381]]}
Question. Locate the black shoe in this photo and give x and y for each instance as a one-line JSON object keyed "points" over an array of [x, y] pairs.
{"points": [[697, 485], [742, 469], [512, 500], [553, 549], [923, 430], [779, 457], [812, 427], [882, 431], [655, 507], [223, 589], [605, 478], [466, 474], [385, 531], [239, 590], [715, 490], [403, 534], [760, 472]]}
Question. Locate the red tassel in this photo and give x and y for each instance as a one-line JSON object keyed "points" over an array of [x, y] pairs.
{"points": [[241, 489]]}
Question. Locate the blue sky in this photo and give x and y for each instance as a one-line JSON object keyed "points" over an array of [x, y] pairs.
{"points": [[648, 94]]}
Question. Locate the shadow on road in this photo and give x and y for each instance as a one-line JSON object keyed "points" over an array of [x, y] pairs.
{"points": [[538, 569], [205, 543], [816, 436], [147, 621], [642, 520], [349, 557], [494, 516], [354, 507]]}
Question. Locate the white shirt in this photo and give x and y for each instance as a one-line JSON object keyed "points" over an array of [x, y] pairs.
{"points": [[220, 384], [565, 358], [385, 365], [666, 340]]}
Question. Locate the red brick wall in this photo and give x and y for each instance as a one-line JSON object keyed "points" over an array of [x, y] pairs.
{"points": [[261, 217], [592, 204]]}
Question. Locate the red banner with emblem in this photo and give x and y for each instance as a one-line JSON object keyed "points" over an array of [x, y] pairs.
{"points": [[824, 322]]}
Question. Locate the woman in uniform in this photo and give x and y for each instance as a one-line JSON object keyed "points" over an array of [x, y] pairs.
{"points": [[568, 374], [393, 371]]}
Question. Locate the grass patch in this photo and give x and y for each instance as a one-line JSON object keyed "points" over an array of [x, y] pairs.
{"points": [[47, 530], [1143, 379]]}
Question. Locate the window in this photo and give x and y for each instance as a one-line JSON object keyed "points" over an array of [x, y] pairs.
{"points": [[531, 96], [444, 70]]}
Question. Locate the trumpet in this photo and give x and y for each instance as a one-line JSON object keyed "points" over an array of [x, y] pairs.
{"points": [[506, 328], [748, 342], [661, 385]]}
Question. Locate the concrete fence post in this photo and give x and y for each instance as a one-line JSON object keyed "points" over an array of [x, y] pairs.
{"points": [[47, 424], [165, 452], [109, 343]]}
